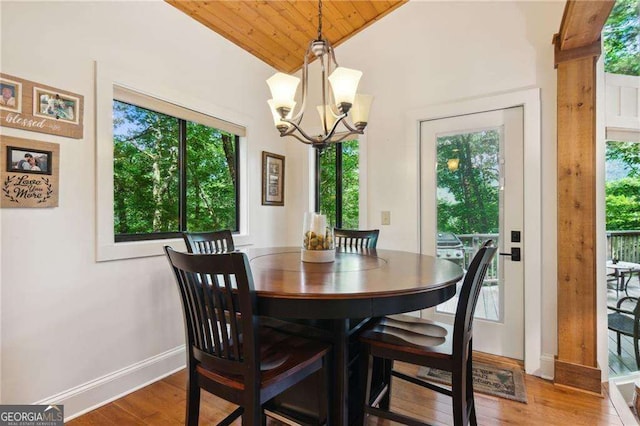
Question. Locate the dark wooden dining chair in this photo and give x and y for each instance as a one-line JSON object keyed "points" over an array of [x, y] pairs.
{"points": [[356, 238], [232, 356], [209, 242], [431, 344], [626, 322]]}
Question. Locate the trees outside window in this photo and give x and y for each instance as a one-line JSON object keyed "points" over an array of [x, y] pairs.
{"points": [[338, 184], [171, 175], [621, 35]]}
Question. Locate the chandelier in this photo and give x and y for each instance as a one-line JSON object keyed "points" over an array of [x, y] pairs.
{"points": [[337, 103]]}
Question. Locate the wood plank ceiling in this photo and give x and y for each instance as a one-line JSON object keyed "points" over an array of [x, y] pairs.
{"points": [[278, 32]]}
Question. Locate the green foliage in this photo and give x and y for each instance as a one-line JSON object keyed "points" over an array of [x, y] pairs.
{"points": [[328, 183], [350, 184], [623, 204], [146, 174], [628, 153], [623, 195], [621, 38], [468, 197]]}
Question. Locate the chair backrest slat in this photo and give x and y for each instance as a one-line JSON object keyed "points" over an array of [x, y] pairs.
{"points": [[218, 301], [209, 242], [356, 238], [469, 294]]}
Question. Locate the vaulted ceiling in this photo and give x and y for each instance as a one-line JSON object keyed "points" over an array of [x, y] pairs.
{"points": [[278, 32]]}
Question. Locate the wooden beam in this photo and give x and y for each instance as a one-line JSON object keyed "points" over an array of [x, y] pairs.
{"points": [[582, 22], [594, 50]]}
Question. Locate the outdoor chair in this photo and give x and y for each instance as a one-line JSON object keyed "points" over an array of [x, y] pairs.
{"points": [[355, 238], [626, 322], [427, 343], [232, 356], [209, 242]]}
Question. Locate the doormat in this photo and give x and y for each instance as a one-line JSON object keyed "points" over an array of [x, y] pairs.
{"points": [[488, 379]]}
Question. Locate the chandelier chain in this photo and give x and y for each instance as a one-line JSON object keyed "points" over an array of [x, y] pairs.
{"points": [[319, 19]]}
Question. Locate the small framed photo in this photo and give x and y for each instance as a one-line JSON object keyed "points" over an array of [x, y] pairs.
{"points": [[55, 106], [272, 179], [11, 95], [27, 160]]}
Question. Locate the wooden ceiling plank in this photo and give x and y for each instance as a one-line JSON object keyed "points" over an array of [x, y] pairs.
{"points": [[331, 13], [266, 50], [582, 22], [251, 34], [262, 16], [394, 6], [365, 9], [350, 13], [330, 29], [382, 6], [295, 18]]}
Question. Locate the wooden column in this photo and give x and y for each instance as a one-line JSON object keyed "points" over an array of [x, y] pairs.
{"points": [[577, 47], [576, 363]]}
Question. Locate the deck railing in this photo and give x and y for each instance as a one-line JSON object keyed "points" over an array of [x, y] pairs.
{"points": [[471, 244], [621, 245]]}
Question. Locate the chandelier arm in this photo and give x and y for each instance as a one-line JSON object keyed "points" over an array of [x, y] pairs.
{"points": [[323, 115], [302, 132], [329, 135], [301, 140], [305, 81], [355, 130], [331, 57]]}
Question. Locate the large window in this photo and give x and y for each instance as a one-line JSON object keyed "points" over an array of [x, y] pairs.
{"points": [[171, 173], [337, 185]]}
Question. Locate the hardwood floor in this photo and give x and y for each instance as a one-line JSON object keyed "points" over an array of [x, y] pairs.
{"points": [[163, 403]]}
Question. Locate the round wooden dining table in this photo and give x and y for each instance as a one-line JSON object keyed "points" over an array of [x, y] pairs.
{"points": [[359, 284]]}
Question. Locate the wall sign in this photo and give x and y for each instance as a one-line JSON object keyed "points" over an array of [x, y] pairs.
{"points": [[33, 106], [29, 173]]}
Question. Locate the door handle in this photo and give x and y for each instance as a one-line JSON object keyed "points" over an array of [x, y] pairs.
{"points": [[515, 254]]}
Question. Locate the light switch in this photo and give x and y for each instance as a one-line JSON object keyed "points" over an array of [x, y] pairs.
{"points": [[386, 218]]}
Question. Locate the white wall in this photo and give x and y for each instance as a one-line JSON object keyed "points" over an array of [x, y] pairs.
{"points": [[428, 53], [67, 320]]}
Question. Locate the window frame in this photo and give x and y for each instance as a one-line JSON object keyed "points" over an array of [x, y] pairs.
{"points": [[109, 74], [182, 184]]}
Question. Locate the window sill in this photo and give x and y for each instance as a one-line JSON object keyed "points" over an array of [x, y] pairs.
{"points": [[136, 249]]}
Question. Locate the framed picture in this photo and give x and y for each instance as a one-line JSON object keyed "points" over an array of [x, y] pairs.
{"points": [[52, 105], [28, 160], [272, 179], [11, 95], [29, 172]]}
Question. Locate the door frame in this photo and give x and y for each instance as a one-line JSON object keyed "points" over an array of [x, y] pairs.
{"points": [[534, 361]]}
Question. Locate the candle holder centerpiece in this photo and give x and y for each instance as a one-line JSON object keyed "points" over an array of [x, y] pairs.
{"points": [[317, 244]]}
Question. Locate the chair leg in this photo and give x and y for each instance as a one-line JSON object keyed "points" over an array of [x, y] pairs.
{"points": [[618, 339], [471, 405], [253, 415], [459, 395], [367, 370], [193, 401], [387, 365], [328, 385]]}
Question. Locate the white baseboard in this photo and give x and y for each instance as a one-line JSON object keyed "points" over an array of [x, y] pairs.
{"points": [[547, 366], [96, 393]]}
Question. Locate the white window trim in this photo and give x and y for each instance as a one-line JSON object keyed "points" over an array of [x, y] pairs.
{"points": [[108, 75]]}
